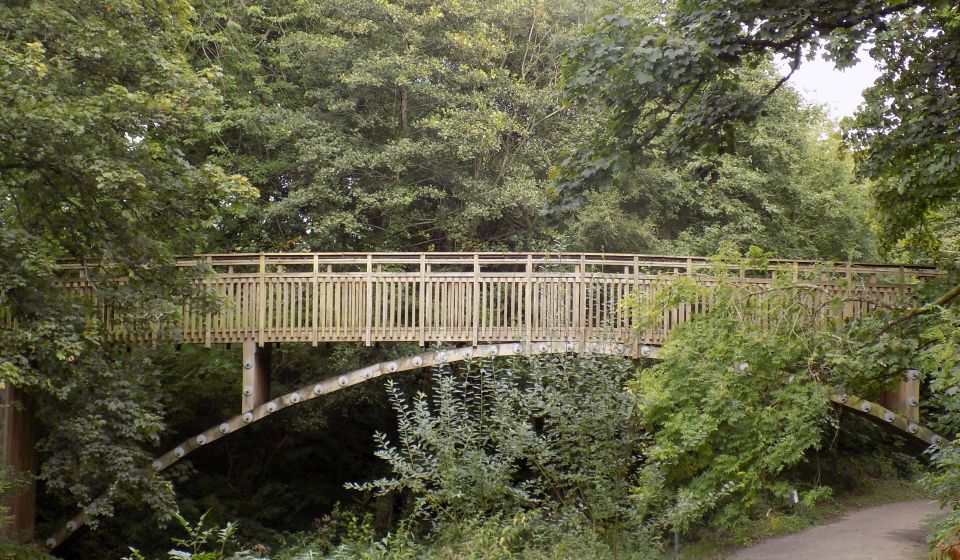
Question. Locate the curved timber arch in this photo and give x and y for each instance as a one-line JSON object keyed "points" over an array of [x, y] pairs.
{"points": [[870, 410]]}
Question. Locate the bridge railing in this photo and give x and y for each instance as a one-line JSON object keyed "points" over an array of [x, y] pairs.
{"points": [[470, 297]]}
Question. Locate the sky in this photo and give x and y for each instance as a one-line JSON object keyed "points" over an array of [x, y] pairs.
{"points": [[839, 90]]}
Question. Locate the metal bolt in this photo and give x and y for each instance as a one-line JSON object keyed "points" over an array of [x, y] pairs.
{"points": [[51, 542], [889, 416], [913, 374], [492, 351], [367, 374], [619, 349], [157, 465], [71, 525], [318, 388], [913, 401], [644, 351], [247, 364], [570, 346], [594, 347], [441, 357], [248, 417], [342, 381], [865, 406], [517, 348], [417, 361], [843, 398], [913, 428], [201, 439], [271, 406], [392, 367], [467, 353], [224, 428], [743, 366], [248, 390], [542, 347], [179, 452], [295, 398], [936, 440]]}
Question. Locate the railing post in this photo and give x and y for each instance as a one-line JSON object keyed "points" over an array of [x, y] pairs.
{"points": [[476, 298], [423, 299], [582, 305], [316, 299], [208, 336], [636, 292], [528, 304], [262, 298], [369, 312]]}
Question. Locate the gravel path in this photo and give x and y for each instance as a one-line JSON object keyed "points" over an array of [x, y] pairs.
{"points": [[888, 532]]}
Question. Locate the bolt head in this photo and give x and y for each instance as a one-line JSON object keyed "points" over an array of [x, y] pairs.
{"points": [[913, 401], [247, 364], [179, 452], [441, 357], [517, 348], [224, 428], [318, 388], [248, 417], [271, 406], [392, 367], [865, 406], [644, 351], [51, 542], [342, 381], [157, 465], [417, 361], [295, 398], [936, 440], [570, 346], [247, 390], [467, 353], [493, 351], [889, 416], [913, 428], [201, 439], [71, 525], [619, 349], [913, 374]]}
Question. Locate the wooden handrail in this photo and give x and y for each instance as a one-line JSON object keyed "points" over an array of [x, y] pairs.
{"points": [[469, 297]]}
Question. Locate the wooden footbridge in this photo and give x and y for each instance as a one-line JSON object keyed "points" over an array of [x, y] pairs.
{"points": [[469, 305]]}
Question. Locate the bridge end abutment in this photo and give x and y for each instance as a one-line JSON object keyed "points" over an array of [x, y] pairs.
{"points": [[20, 460]]}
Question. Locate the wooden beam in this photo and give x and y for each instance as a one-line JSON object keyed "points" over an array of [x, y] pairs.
{"points": [[256, 374], [20, 459]]}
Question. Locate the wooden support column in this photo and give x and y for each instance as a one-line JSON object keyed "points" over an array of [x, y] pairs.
{"points": [[256, 374], [20, 458], [905, 399]]}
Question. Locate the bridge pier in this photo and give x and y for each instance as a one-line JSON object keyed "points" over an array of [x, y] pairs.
{"points": [[256, 374], [906, 398], [20, 459]]}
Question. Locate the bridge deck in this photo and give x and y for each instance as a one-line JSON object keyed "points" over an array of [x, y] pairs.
{"points": [[472, 297]]}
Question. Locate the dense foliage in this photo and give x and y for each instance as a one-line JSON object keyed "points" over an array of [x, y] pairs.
{"points": [[131, 132]]}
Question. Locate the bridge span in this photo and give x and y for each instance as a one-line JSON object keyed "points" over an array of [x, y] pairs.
{"points": [[490, 304], [472, 297]]}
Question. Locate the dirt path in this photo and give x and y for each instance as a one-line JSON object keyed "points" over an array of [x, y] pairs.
{"points": [[888, 532]]}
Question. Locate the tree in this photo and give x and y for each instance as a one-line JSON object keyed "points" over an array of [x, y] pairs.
{"points": [[395, 125], [679, 73], [783, 182], [101, 108]]}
